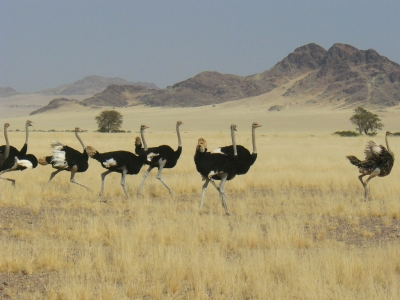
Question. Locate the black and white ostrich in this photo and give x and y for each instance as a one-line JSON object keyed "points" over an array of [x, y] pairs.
{"points": [[65, 158], [378, 162], [215, 166], [14, 160], [123, 162], [6, 150], [159, 157], [245, 158]]}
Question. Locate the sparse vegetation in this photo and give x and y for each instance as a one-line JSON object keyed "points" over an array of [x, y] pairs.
{"points": [[109, 121], [347, 133], [366, 121]]}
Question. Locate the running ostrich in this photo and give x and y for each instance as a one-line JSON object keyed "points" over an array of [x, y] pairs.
{"points": [[161, 157], [6, 150], [245, 159], [215, 166], [65, 158], [14, 160], [123, 162], [378, 162]]}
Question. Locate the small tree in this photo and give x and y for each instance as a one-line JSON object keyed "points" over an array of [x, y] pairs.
{"points": [[366, 121], [109, 121]]}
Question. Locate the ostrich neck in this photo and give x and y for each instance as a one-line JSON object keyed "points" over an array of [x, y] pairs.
{"points": [[253, 137], [179, 136], [26, 133], [387, 143], [79, 139], [7, 151], [233, 141], [143, 140]]}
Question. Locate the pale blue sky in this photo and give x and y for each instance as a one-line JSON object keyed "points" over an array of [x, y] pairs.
{"points": [[44, 44]]}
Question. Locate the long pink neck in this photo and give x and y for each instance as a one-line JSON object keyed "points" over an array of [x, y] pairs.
{"points": [[7, 151]]}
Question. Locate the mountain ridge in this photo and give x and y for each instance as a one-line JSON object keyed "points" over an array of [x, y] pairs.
{"points": [[340, 76]]}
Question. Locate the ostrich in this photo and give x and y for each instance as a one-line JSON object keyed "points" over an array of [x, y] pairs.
{"points": [[65, 158], [12, 150], [6, 150], [123, 162], [161, 157], [14, 160], [245, 159], [378, 162], [215, 166]]}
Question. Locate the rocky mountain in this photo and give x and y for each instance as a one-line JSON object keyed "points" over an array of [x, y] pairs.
{"points": [[117, 95], [340, 76], [352, 76], [7, 92], [213, 87], [91, 85], [55, 104]]}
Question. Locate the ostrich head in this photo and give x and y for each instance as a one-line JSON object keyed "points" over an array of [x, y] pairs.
{"points": [[233, 126], [388, 133], [91, 151], [179, 123], [143, 127], [201, 145], [138, 141], [42, 161], [78, 129], [6, 125], [29, 123], [255, 125]]}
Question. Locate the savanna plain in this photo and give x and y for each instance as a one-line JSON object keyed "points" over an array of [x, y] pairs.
{"points": [[299, 226]]}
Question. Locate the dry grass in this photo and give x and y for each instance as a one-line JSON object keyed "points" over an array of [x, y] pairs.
{"points": [[299, 227]]}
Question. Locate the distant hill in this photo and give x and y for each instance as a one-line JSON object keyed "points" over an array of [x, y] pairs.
{"points": [[7, 92], [91, 85], [55, 104]]}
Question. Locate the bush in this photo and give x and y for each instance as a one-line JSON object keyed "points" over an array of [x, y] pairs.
{"points": [[347, 133]]}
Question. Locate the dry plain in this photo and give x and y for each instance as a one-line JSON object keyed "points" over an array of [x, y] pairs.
{"points": [[299, 227]]}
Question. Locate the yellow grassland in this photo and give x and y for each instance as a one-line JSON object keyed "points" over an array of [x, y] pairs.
{"points": [[299, 227]]}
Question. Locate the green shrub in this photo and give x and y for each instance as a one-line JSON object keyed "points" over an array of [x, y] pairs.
{"points": [[347, 133]]}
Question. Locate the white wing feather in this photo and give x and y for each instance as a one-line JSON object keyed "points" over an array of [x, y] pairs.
{"points": [[372, 149]]}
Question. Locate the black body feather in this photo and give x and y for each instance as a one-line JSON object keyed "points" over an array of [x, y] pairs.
{"points": [[207, 162], [132, 162], [244, 160], [13, 153]]}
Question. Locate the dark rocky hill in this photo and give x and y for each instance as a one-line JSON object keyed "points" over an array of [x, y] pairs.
{"points": [[55, 104], [7, 92], [352, 76], [91, 85], [203, 89], [117, 95]]}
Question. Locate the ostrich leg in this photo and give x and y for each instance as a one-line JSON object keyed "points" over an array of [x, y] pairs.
{"points": [[9, 179], [203, 193], [124, 171], [160, 168], [52, 176], [103, 176], [372, 175], [222, 192], [74, 169], [144, 178]]}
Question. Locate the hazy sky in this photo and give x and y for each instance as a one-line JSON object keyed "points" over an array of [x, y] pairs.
{"points": [[44, 44]]}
